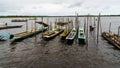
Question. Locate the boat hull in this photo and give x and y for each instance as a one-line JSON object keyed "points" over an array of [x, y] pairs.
{"points": [[2, 40], [109, 39], [18, 20], [72, 35], [70, 41], [51, 37], [27, 35], [63, 37], [8, 27], [81, 41], [81, 35]]}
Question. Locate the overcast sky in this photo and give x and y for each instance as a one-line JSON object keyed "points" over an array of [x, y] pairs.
{"points": [[58, 7]]}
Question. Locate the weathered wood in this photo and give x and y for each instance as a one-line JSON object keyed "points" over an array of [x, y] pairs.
{"points": [[112, 38], [98, 28], [26, 26]]}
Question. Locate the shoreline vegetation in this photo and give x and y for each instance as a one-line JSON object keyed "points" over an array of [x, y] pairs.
{"points": [[21, 16]]}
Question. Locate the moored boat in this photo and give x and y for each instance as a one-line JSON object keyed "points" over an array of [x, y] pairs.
{"points": [[52, 33], [112, 38], [92, 28], [19, 20], [23, 35], [64, 34], [4, 36], [81, 35], [8, 27], [71, 36]]}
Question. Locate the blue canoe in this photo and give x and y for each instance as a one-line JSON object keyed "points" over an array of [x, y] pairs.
{"points": [[3, 36]]}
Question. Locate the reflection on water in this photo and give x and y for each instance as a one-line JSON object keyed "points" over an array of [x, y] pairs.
{"points": [[31, 53]]}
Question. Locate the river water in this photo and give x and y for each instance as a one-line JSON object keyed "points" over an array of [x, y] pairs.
{"points": [[31, 53]]}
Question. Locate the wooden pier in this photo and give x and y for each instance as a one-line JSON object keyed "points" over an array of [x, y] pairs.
{"points": [[112, 38]]}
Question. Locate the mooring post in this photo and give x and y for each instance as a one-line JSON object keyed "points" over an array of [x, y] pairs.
{"points": [[26, 25], [98, 28], [31, 26], [35, 30], [94, 21], [110, 27], [118, 31], [43, 27], [85, 24], [87, 32], [94, 25], [90, 20], [49, 24], [42, 19]]}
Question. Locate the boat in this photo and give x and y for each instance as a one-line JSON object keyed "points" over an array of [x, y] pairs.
{"points": [[19, 20], [40, 22], [52, 33], [64, 34], [81, 35], [71, 36], [8, 27], [66, 31], [92, 28], [23, 35], [112, 38], [4, 36]]}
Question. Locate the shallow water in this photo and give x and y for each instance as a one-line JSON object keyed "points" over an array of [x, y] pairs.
{"points": [[31, 53]]}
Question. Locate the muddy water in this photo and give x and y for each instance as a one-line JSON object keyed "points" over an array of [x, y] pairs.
{"points": [[56, 54]]}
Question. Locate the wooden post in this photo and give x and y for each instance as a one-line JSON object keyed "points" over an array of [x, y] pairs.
{"points": [[85, 24], [100, 26], [87, 30], [31, 26], [94, 25], [98, 29], [43, 27], [90, 20], [55, 23], [110, 27], [72, 24], [26, 26], [35, 31], [67, 24], [77, 21], [94, 21], [49, 24], [118, 31], [42, 23], [42, 19]]}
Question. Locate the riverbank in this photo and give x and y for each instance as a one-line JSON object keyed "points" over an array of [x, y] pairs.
{"points": [[20, 16]]}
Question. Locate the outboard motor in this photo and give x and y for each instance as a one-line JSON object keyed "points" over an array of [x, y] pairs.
{"points": [[11, 36]]}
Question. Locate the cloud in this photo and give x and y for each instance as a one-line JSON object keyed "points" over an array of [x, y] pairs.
{"points": [[58, 7], [78, 4]]}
